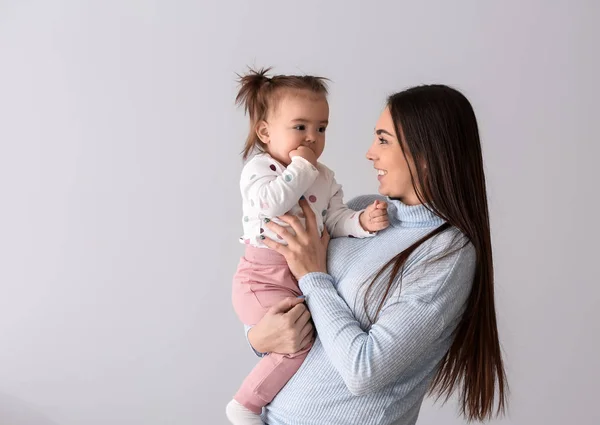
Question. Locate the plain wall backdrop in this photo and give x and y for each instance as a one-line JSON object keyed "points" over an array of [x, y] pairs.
{"points": [[120, 209]]}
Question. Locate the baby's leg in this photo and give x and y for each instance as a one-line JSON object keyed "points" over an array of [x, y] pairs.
{"points": [[267, 378], [262, 280]]}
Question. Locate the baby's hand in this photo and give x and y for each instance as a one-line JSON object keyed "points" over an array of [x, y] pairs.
{"points": [[306, 153], [375, 217]]}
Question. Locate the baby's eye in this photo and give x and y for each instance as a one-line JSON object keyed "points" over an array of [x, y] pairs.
{"points": [[322, 129], [300, 127]]}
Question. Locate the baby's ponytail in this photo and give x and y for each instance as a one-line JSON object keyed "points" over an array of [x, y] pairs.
{"points": [[253, 96]]}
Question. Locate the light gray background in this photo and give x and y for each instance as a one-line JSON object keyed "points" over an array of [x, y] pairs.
{"points": [[120, 208]]}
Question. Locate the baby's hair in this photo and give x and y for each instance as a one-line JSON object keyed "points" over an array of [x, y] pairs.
{"points": [[259, 93]]}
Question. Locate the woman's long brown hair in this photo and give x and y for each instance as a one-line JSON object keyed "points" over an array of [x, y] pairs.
{"points": [[438, 131]]}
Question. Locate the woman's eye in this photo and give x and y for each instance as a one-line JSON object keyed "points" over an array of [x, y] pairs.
{"points": [[382, 141]]}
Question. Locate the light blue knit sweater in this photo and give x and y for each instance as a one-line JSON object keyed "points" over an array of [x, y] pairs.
{"points": [[379, 374]]}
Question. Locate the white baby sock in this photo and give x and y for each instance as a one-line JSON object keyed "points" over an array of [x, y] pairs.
{"points": [[240, 415]]}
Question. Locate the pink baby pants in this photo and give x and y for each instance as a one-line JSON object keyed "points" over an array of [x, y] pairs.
{"points": [[261, 281]]}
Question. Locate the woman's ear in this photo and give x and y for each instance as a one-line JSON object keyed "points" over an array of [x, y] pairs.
{"points": [[262, 131]]}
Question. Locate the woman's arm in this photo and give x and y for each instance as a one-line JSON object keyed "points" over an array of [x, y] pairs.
{"points": [[406, 327], [286, 328]]}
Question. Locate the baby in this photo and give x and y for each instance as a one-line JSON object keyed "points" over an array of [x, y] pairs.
{"points": [[288, 120]]}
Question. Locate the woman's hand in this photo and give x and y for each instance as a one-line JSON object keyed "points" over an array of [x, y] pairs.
{"points": [[286, 328], [306, 251]]}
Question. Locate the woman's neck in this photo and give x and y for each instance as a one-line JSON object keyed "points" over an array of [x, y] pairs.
{"points": [[411, 199]]}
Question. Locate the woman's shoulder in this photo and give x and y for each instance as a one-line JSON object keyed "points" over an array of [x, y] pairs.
{"points": [[444, 264], [363, 201], [448, 243]]}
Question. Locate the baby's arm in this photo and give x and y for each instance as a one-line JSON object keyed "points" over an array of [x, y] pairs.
{"points": [[340, 220], [272, 191]]}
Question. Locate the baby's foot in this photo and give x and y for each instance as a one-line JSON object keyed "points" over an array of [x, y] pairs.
{"points": [[240, 415]]}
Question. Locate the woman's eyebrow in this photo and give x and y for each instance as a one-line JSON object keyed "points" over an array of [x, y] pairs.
{"points": [[382, 131]]}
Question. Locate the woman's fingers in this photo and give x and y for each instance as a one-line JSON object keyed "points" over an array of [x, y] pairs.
{"points": [[279, 230], [285, 305], [296, 312], [304, 318], [306, 335], [325, 238], [307, 330], [276, 246], [294, 223], [311, 220], [302, 328], [307, 340]]}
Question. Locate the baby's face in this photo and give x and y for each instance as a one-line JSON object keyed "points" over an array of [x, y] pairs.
{"points": [[299, 119]]}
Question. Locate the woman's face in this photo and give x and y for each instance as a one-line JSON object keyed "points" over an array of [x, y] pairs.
{"points": [[388, 159]]}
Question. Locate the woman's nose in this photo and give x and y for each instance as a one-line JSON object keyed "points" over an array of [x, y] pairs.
{"points": [[370, 156]]}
